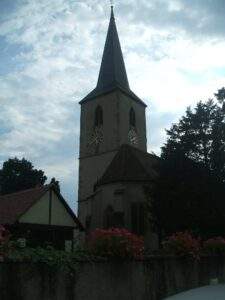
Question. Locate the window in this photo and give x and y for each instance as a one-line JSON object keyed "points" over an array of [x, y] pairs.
{"points": [[132, 118], [108, 217], [98, 116], [88, 223], [138, 218], [119, 192], [112, 218], [118, 219]]}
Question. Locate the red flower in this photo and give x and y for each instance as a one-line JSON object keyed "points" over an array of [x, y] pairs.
{"points": [[115, 243], [214, 245], [182, 243]]}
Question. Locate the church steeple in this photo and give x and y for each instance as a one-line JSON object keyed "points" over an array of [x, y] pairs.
{"points": [[111, 116], [112, 72]]}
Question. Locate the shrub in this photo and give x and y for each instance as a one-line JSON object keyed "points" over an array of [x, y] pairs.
{"points": [[4, 238], [214, 246], [116, 243], [183, 244]]}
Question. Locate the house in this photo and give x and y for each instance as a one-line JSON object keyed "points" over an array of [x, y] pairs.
{"points": [[41, 216]]}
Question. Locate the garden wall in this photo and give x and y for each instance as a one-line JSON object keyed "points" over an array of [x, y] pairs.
{"points": [[152, 279]]}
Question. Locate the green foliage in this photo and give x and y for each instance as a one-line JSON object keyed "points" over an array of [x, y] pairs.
{"points": [[199, 136], [220, 95], [55, 259], [4, 240], [55, 183], [214, 246], [17, 175], [190, 192]]}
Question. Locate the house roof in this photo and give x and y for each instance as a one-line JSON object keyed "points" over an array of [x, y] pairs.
{"points": [[131, 165], [13, 206], [112, 73]]}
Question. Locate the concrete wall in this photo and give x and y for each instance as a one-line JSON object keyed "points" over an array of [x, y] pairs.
{"points": [[153, 279]]}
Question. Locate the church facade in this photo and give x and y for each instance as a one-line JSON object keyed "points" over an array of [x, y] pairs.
{"points": [[114, 166]]}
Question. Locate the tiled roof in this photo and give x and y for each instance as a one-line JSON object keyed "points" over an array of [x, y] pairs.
{"points": [[131, 165], [13, 206]]}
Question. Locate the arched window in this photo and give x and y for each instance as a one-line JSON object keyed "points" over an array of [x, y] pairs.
{"points": [[132, 118], [108, 217], [98, 116]]}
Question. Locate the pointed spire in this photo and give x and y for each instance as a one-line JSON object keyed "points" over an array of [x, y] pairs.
{"points": [[112, 72]]}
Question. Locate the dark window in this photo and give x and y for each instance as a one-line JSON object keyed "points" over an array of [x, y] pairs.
{"points": [[98, 116], [132, 118], [108, 217], [138, 218], [119, 192], [88, 223], [118, 219], [112, 218]]}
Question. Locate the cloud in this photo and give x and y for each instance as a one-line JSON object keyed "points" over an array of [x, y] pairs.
{"points": [[51, 52], [197, 18]]}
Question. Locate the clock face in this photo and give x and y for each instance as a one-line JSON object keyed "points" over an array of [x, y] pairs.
{"points": [[95, 139], [133, 137]]}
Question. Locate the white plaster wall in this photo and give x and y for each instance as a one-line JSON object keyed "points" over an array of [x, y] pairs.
{"points": [[38, 213], [59, 214]]}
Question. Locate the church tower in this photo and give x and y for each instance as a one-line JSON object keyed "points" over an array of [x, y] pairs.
{"points": [[111, 116]]}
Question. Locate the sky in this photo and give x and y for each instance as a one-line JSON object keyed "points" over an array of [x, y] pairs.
{"points": [[50, 55]]}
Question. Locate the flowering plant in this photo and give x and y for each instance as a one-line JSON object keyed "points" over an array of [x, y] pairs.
{"points": [[214, 245], [182, 243], [116, 243]]}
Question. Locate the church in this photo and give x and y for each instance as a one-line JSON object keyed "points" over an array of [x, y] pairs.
{"points": [[114, 165]]}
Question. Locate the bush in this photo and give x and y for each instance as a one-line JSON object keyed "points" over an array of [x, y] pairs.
{"points": [[116, 243], [183, 244], [4, 238], [214, 246]]}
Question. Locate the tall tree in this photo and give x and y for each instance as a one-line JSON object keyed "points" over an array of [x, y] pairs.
{"points": [[190, 191], [55, 183], [200, 136], [17, 175]]}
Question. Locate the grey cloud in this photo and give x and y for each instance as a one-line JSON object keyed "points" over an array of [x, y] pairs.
{"points": [[157, 123], [197, 18], [65, 43]]}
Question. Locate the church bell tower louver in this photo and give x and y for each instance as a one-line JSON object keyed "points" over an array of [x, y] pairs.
{"points": [[111, 115]]}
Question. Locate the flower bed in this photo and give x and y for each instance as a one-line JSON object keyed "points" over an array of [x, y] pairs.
{"points": [[182, 244], [214, 246], [116, 243]]}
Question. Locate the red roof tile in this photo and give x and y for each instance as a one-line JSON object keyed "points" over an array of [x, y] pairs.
{"points": [[12, 206]]}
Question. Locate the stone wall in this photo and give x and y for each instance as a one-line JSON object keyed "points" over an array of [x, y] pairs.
{"points": [[152, 279]]}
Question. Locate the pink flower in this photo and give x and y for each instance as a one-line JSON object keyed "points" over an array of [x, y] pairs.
{"points": [[116, 243]]}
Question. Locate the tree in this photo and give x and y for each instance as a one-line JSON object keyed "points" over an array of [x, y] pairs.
{"points": [[190, 192], [200, 136], [17, 175], [55, 183], [220, 95], [188, 196]]}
